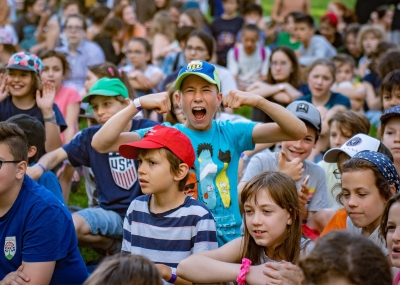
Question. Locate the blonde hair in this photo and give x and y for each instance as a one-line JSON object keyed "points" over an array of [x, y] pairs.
{"points": [[377, 31], [163, 24]]}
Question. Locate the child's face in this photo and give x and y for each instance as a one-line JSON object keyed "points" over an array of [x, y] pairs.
{"points": [[391, 137], [154, 165], [369, 43], [9, 172], [252, 17], [338, 135], [249, 41], [344, 72], [303, 32], [19, 82], [137, 54], [174, 13], [393, 234], [129, 16], [290, 26], [327, 30], [185, 20], [351, 44], [281, 66], [104, 107], [196, 50], [265, 220], [199, 100], [320, 81], [53, 71], [391, 99], [362, 201], [38, 8], [301, 148], [91, 78], [230, 6]]}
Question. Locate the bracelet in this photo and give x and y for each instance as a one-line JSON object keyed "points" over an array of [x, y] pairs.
{"points": [[52, 119], [244, 156], [244, 269], [173, 276], [137, 104], [41, 166]]}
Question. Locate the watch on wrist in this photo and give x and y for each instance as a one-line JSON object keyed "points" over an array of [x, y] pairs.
{"points": [[52, 119], [137, 104]]}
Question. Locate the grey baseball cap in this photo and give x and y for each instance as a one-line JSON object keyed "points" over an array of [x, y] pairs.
{"points": [[307, 112]]}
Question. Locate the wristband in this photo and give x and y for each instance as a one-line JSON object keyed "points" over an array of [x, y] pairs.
{"points": [[52, 119], [173, 276], [41, 166], [244, 269], [244, 156], [137, 104]]}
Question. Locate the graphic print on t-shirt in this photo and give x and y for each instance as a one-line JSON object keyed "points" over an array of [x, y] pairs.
{"points": [[123, 170], [222, 179], [10, 247], [208, 171]]}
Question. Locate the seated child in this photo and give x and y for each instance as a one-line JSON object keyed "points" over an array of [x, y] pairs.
{"points": [[369, 179], [292, 161], [40, 245], [390, 131], [36, 135], [121, 269], [390, 90], [344, 258], [248, 62], [345, 81], [288, 36], [313, 46], [165, 221]]}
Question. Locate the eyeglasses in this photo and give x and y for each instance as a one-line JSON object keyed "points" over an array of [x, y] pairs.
{"points": [[196, 49], [337, 174], [73, 28], [135, 52], [8, 161]]}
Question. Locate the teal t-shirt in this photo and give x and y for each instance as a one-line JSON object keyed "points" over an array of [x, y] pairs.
{"points": [[217, 157]]}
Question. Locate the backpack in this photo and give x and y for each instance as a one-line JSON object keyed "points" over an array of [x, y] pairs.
{"points": [[236, 53]]}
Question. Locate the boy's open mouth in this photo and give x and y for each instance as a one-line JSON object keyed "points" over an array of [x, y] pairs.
{"points": [[199, 113]]}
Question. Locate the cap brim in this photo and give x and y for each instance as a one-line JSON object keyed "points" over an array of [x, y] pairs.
{"points": [[100, 92], [130, 150], [179, 80], [307, 119], [387, 116], [332, 155], [19, 67]]}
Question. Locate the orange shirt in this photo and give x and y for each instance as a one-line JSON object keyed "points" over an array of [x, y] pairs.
{"points": [[338, 222]]}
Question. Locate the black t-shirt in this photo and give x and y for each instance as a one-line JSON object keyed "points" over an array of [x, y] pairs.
{"points": [[109, 52], [224, 32]]}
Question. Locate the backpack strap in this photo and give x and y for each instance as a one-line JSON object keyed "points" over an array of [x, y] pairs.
{"points": [[263, 55], [236, 53]]}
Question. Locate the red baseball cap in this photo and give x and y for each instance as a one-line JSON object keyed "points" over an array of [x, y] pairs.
{"points": [[162, 137]]}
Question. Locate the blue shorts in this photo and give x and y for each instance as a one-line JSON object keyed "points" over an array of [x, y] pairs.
{"points": [[103, 222]]}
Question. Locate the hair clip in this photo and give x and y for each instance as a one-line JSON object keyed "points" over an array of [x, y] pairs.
{"points": [[111, 71]]}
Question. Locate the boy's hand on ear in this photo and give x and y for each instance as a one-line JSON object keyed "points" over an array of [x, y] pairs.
{"points": [[294, 169], [45, 100], [3, 88], [236, 99], [159, 102]]}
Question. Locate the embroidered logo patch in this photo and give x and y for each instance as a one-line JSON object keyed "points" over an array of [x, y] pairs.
{"points": [[302, 108], [123, 170], [354, 141], [10, 247], [194, 65]]}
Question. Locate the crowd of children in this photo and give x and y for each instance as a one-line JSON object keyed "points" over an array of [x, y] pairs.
{"points": [[248, 149]]}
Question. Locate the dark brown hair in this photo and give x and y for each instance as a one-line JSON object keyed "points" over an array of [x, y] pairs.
{"points": [[294, 78], [61, 56], [358, 164], [383, 230], [344, 255], [125, 269], [12, 136], [174, 162], [342, 59], [350, 120], [388, 62], [78, 16], [282, 190], [324, 62], [110, 28]]}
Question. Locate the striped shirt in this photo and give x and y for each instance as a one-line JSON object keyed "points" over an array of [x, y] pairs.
{"points": [[171, 236]]}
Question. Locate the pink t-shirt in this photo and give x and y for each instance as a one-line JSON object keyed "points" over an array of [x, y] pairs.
{"points": [[65, 97]]}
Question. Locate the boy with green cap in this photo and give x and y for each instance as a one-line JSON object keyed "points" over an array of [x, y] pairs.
{"points": [[218, 145], [101, 227]]}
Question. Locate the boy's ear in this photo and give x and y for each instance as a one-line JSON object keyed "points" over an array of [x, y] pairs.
{"points": [[177, 98], [220, 97], [32, 151], [21, 170], [392, 189], [182, 172]]}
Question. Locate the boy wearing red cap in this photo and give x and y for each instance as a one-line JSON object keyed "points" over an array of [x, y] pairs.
{"points": [[165, 225]]}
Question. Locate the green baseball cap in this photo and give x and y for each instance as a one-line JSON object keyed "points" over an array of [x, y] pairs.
{"points": [[107, 87], [200, 68]]}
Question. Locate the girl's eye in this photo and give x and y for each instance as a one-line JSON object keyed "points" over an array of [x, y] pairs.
{"points": [[152, 162], [266, 211], [362, 194], [248, 211], [346, 194], [390, 228]]}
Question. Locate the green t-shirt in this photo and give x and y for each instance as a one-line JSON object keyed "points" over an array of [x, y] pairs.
{"points": [[284, 40]]}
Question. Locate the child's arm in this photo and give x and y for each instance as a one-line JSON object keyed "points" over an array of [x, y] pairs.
{"points": [[49, 161], [71, 119], [353, 93], [45, 102], [287, 127], [275, 10], [110, 136], [166, 274]]}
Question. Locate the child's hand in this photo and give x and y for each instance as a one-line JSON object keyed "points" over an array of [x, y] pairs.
{"points": [[159, 102], [15, 277], [303, 195], [284, 272], [236, 99], [3, 88], [294, 169], [45, 100]]}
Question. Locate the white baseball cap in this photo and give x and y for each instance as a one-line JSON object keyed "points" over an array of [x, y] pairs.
{"points": [[354, 145]]}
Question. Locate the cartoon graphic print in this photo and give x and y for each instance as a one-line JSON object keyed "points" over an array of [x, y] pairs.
{"points": [[222, 179], [191, 185], [208, 171]]}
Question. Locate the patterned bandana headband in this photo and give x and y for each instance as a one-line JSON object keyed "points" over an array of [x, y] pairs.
{"points": [[383, 163]]}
